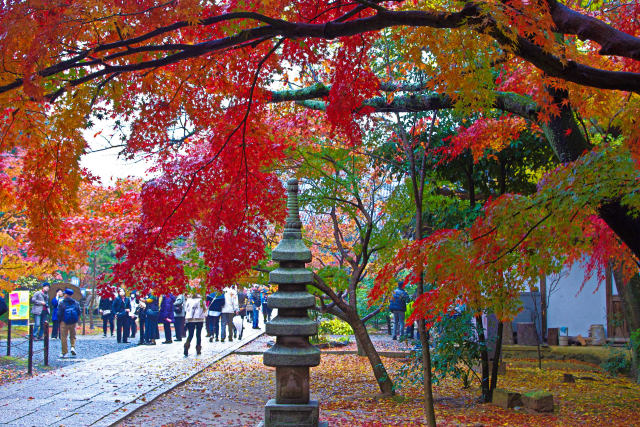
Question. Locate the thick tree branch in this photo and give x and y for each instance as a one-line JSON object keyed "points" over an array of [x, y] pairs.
{"points": [[611, 40], [567, 20], [506, 101]]}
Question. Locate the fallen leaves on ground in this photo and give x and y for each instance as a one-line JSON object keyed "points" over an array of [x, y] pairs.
{"points": [[234, 391]]}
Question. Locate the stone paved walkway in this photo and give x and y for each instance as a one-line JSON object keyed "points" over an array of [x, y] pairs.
{"points": [[104, 390]]}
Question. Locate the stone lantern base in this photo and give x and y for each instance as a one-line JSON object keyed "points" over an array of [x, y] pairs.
{"points": [[295, 414]]}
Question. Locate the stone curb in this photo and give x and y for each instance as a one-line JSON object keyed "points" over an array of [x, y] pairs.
{"points": [[119, 415], [390, 354]]}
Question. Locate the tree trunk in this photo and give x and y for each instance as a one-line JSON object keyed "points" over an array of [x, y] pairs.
{"points": [[364, 342], [496, 361], [484, 360], [426, 371]]}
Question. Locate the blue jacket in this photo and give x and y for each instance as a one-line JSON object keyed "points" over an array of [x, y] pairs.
{"points": [[54, 309], [216, 301], [166, 308], [255, 298], [399, 300], [120, 305]]}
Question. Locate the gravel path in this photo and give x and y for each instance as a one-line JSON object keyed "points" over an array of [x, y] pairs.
{"points": [[87, 346]]}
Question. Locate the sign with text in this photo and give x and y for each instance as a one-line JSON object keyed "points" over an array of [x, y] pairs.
{"points": [[19, 305]]}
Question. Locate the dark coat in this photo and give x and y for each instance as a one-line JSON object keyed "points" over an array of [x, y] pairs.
{"points": [[399, 300], [105, 304], [166, 308], [217, 301], [120, 305]]}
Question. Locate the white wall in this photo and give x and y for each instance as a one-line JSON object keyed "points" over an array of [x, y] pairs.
{"points": [[575, 309]]}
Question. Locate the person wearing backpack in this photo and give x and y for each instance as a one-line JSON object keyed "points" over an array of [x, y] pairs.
{"points": [[216, 302], [166, 316], [398, 306], [255, 301], [68, 314], [121, 308], [178, 317]]}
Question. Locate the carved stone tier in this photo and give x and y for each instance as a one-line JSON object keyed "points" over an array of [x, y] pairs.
{"points": [[292, 326], [284, 300], [285, 276], [279, 355]]}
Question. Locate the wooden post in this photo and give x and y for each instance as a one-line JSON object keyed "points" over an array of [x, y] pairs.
{"points": [[30, 356], [46, 343], [9, 337]]}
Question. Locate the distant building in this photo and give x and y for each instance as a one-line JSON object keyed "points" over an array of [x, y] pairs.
{"points": [[567, 306]]}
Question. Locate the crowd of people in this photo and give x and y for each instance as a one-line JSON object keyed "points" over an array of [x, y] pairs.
{"points": [[221, 314]]}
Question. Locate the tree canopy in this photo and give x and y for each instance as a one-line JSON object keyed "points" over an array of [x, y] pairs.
{"points": [[200, 87]]}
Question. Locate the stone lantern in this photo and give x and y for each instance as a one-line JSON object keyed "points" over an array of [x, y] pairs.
{"points": [[292, 354]]}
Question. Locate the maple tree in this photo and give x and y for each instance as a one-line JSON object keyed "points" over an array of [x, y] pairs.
{"points": [[347, 230], [17, 258], [214, 71]]}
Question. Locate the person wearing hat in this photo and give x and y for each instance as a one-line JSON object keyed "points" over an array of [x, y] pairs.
{"points": [[68, 314], [40, 310]]}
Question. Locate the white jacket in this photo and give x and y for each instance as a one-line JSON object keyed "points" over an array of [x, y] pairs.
{"points": [[194, 310], [230, 300], [134, 305]]}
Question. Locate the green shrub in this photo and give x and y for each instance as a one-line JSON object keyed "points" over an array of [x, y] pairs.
{"points": [[617, 363], [335, 327]]}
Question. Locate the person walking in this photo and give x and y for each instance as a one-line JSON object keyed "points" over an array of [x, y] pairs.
{"points": [[40, 310], [141, 312], [229, 309], [178, 316], [107, 315], [255, 301], [242, 303], [398, 306], [194, 317], [151, 322], [166, 316], [213, 314], [133, 300], [69, 314], [264, 296], [55, 331], [121, 308]]}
